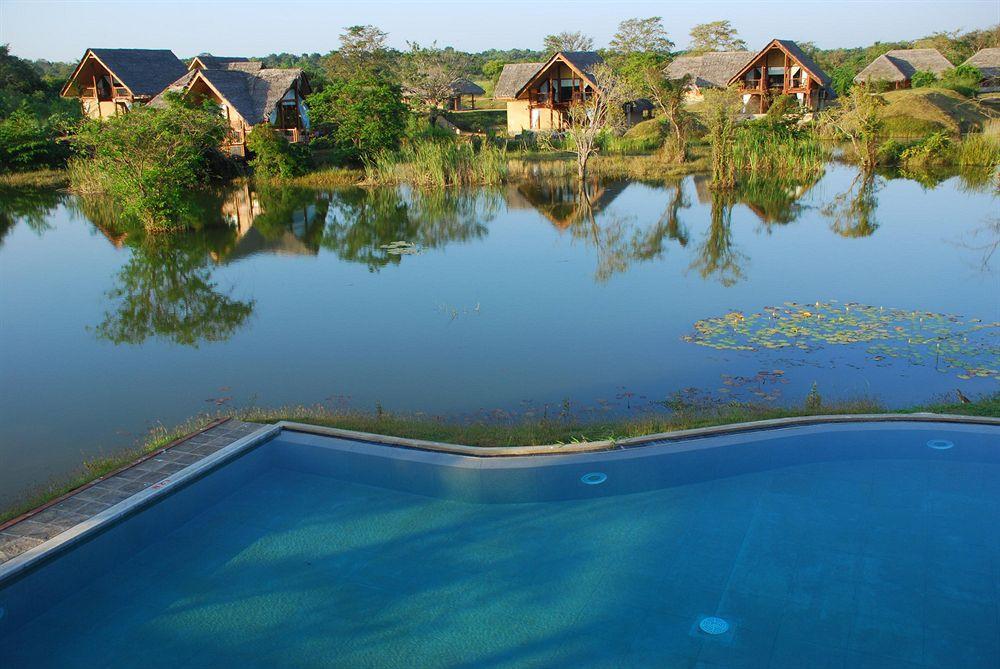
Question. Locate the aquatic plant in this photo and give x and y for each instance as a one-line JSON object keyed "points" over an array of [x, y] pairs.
{"points": [[438, 163], [966, 347]]}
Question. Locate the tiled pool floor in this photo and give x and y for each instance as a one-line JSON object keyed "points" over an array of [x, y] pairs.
{"points": [[856, 564]]}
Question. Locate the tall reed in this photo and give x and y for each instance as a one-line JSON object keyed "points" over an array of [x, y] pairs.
{"points": [[440, 164]]}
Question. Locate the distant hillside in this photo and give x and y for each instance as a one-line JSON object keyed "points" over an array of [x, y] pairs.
{"points": [[920, 111]]}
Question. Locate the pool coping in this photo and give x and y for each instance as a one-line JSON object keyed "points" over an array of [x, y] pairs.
{"points": [[80, 531]]}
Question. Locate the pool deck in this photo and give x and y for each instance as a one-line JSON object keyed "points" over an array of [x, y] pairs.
{"points": [[21, 534], [58, 524]]}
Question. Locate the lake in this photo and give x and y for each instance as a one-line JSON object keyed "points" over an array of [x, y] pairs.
{"points": [[526, 300]]}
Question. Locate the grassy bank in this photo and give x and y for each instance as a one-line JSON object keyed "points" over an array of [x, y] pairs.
{"points": [[562, 427], [35, 179]]}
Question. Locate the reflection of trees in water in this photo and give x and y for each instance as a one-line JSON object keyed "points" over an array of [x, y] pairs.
{"points": [[717, 257], [984, 241], [621, 240], [30, 206], [166, 290], [360, 222], [852, 212]]}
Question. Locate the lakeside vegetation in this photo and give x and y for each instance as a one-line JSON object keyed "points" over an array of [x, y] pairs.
{"points": [[564, 426], [375, 110]]}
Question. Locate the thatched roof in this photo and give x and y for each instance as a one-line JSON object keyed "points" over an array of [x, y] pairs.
{"points": [[145, 72], [900, 64], [709, 70], [986, 61], [245, 66], [179, 86], [513, 77], [466, 87], [253, 95], [208, 61]]}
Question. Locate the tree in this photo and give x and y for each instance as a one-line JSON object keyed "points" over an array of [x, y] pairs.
{"points": [[16, 74], [27, 142], [859, 119], [151, 158], [641, 36], [599, 113], [722, 109], [429, 73], [491, 69], [715, 36], [842, 78], [568, 41], [362, 49], [646, 72], [363, 114]]}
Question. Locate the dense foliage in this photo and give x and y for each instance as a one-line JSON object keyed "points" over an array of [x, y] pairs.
{"points": [[149, 160], [273, 156], [361, 115]]}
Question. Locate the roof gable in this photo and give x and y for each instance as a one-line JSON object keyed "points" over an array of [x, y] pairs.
{"points": [[582, 62], [145, 72], [794, 52], [208, 61], [252, 95]]}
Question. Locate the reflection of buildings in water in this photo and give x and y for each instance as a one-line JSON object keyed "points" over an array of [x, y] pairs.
{"points": [[290, 234], [559, 201]]}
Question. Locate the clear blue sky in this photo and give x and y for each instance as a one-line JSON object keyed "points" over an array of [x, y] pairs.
{"points": [[62, 30]]}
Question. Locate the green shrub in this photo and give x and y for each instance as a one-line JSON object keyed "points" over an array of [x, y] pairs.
{"points": [[921, 79], [935, 149], [963, 79], [273, 156], [150, 159], [362, 115], [27, 142]]}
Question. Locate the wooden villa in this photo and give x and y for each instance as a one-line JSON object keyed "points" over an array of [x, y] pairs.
{"points": [[781, 68], [987, 61], [896, 68], [109, 82], [539, 95], [248, 94], [707, 70]]}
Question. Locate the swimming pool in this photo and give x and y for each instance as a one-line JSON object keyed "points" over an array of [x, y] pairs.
{"points": [[848, 545]]}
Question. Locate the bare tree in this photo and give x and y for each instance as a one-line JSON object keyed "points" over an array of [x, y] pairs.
{"points": [[641, 36], [599, 112], [859, 119], [429, 74], [715, 36], [568, 41], [648, 75]]}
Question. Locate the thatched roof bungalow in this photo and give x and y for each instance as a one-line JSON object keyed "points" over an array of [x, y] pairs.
{"points": [[987, 61], [539, 95], [110, 81], [707, 70], [782, 68], [249, 94], [462, 87], [898, 66]]}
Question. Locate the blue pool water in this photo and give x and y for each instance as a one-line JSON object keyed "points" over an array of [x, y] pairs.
{"points": [[836, 546]]}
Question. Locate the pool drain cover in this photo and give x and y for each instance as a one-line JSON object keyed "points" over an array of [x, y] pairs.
{"points": [[713, 625], [594, 478], [940, 444]]}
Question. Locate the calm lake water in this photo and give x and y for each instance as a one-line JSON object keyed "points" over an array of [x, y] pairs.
{"points": [[525, 300]]}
